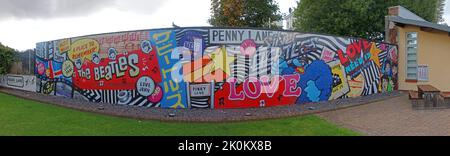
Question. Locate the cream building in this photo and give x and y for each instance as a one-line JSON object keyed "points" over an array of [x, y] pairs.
{"points": [[424, 50]]}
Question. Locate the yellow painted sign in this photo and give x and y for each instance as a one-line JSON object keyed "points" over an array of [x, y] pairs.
{"points": [[340, 84], [83, 49], [64, 46]]}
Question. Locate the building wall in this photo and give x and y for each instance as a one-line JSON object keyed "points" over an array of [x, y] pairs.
{"points": [[290, 19], [21, 82], [213, 68], [433, 50]]}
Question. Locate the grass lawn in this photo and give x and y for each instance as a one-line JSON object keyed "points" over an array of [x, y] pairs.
{"points": [[29, 118]]}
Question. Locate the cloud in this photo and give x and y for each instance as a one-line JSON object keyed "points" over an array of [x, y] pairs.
{"points": [[447, 12], [26, 9], [140, 6]]}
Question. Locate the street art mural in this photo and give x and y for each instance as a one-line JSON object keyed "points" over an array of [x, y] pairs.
{"points": [[214, 68]]}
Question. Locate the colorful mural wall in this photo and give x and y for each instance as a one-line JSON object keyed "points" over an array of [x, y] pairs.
{"points": [[214, 68]]}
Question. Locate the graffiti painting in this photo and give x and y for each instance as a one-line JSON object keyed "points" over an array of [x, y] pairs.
{"points": [[214, 68]]}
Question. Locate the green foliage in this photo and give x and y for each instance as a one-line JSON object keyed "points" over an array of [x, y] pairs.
{"points": [[6, 58], [430, 10], [30, 118], [244, 13], [358, 18]]}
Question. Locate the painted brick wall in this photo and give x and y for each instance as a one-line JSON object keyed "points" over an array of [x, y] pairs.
{"points": [[214, 68]]}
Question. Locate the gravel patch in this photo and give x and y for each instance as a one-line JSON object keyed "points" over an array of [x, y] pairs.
{"points": [[201, 115]]}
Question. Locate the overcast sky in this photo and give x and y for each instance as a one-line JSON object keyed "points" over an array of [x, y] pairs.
{"points": [[25, 22]]}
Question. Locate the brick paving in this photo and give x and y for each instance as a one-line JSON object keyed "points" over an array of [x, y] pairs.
{"points": [[393, 117], [201, 115]]}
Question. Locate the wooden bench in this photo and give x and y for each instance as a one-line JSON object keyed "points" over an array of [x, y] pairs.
{"points": [[430, 95], [445, 99], [445, 96], [413, 95], [416, 101]]}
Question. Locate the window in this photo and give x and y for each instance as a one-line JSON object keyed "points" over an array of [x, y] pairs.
{"points": [[411, 55]]}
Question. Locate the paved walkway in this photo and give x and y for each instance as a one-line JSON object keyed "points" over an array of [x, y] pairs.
{"points": [[201, 115], [393, 117]]}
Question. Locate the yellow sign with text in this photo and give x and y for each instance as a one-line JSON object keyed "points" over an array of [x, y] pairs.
{"points": [[64, 46], [83, 49], [340, 84]]}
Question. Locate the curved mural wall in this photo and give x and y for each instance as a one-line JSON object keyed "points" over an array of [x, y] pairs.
{"points": [[214, 68]]}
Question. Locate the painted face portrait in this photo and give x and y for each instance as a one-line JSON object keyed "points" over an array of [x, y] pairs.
{"points": [[384, 84], [395, 70], [78, 63], [112, 54], [388, 67], [96, 58], [146, 47]]}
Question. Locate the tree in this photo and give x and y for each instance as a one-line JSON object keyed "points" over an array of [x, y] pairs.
{"points": [[358, 18], [244, 13], [440, 11], [6, 58]]}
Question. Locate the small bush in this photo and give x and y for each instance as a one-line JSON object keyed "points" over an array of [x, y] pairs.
{"points": [[6, 58]]}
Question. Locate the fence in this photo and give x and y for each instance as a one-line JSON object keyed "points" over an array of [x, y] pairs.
{"points": [[24, 63]]}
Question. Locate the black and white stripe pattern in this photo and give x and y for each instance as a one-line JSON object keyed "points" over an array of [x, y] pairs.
{"points": [[142, 101], [241, 68], [138, 101], [91, 95], [384, 54], [200, 102], [383, 57], [181, 32], [307, 51], [310, 51], [333, 43], [343, 97], [111, 97], [371, 74], [262, 62]]}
